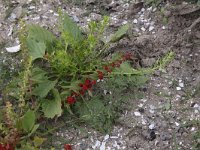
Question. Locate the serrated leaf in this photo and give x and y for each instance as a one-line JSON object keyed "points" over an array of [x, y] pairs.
{"points": [[120, 33], [38, 33], [39, 75], [36, 49], [71, 29], [43, 88], [51, 108], [28, 120]]}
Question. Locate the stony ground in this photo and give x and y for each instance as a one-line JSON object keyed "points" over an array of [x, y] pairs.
{"points": [[168, 115]]}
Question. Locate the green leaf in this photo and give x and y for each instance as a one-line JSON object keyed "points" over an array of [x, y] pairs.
{"points": [[120, 33], [28, 120], [36, 49], [51, 108], [39, 75], [34, 129], [38, 141], [38, 33], [43, 88], [71, 29]]}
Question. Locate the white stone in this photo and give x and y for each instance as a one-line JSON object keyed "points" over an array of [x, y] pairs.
{"points": [[192, 129], [196, 111], [177, 124], [140, 105], [196, 106], [56, 14], [152, 126], [149, 9], [151, 111], [114, 137], [178, 88], [106, 137], [13, 49], [124, 22], [181, 85], [32, 7], [163, 27], [151, 28], [103, 146], [143, 9], [97, 144], [154, 9], [137, 114], [135, 21], [143, 29]]}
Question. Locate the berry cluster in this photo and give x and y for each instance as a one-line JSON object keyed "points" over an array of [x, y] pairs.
{"points": [[89, 83], [6, 147]]}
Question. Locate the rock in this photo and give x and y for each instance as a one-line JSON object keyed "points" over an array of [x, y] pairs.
{"points": [[164, 136], [95, 17], [141, 110], [167, 13], [143, 29], [149, 135], [148, 62], [16, 13], [137, 114], [106, 137], [135, 21], [13, 49], [97, 144], [90, 1], [103, 146], [134, 9], [151, 28], [83, 146], [75, 18], [178, 88], [181, 85], [152, 126]]}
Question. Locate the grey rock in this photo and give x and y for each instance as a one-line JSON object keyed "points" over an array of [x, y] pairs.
{"points": [[16, 13], [148, 62], [90, 1], [75, 18], [164, 136], [149, 135], [83, 146], [167, 13], [95, 17]]}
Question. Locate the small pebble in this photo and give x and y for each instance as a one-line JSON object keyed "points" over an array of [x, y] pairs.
{"points": [[106, 137], [181, 85], [163, 27], [135, 21], [143, 29], [178, 88], [137, 114], [151, 28], [177, 124], [196, 106], [152, 126]]}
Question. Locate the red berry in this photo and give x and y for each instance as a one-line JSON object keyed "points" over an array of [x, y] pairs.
{"points": [[100, 75], [71, 100], [67, 147], [93, 82]]}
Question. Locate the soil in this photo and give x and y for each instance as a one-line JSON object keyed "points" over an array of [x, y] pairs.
{"points": [[168, 115]]}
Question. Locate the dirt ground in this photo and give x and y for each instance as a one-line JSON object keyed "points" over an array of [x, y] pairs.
{"points": [[168, 116]]}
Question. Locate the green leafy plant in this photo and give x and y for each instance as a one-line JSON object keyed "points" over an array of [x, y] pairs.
{"points": [[58, 76]]}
